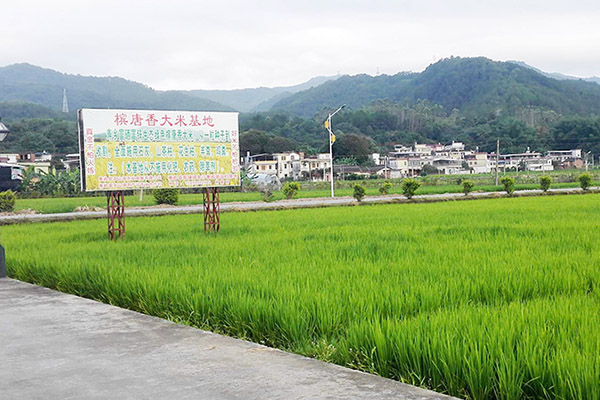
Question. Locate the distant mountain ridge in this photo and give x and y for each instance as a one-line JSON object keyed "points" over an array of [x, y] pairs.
{"points": [[556, 75], [476, 86], [32, 84], [42, 86], [257, 99]]}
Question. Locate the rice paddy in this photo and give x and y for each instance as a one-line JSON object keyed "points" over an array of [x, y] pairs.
{"points": [[489, 299]]}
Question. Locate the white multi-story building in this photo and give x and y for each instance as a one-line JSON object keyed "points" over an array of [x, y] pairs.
{"points": [[528, 161], [397, 168], [539, 164], [448, 165], [291, 165], [316, 168], [478, 163], [564, 155], [422, 149], [288, 165]]}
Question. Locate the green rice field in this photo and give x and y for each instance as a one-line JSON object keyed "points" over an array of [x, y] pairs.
{"points": [[69, 204], [487, 299]]}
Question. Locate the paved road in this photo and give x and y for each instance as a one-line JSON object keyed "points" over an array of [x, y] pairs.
{"points": [[259, 205], [59, 346]]}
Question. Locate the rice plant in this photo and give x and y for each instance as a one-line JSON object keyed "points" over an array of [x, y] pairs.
{"points": [[490, 299]]}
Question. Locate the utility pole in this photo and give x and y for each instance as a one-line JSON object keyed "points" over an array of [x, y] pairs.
{"points": [[3, 134], [497, 158], [587, 163], [331, 141], [387, 171]]}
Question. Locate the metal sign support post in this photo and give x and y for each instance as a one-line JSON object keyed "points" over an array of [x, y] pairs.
{"points": [[2, 263], [115, 205], [210, 200]]}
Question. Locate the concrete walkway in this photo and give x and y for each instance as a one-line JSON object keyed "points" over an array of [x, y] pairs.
{"points": [[275, 205], [59, 346]]}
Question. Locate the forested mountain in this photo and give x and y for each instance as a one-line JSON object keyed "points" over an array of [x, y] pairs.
{"points": [[475, 86], [355, 91], [474, 100], [257, 99], [15, 110], [28, 83]]}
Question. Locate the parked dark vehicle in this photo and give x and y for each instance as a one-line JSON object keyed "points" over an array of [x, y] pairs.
{"points": [[11, 176]]}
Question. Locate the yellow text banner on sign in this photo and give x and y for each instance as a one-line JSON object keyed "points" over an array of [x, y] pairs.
{"points": [[152, 149]]}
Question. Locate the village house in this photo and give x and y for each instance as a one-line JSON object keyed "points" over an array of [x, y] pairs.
{"points": [[567, 158], [343, 171], [11, 158], [316, 168], [478, 163], [407, 161], [71, 161], [527, 161], [290, 165]]}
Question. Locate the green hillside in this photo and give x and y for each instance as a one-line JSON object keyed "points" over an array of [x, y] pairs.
{"points": [[15, 110], [28, 83], [472, 85]]}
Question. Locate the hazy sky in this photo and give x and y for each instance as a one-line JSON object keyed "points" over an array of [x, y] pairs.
{"points": [[236, 44]]}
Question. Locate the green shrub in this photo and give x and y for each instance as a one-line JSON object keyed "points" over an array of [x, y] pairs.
{"points": [[467, 186], [166, 196], [359, 192], [585, 180], [409, 187], [429, 169], [7, 201], [353, 177], [508, 184], [267, 195], [545, 182], [290, 189], [385, 187]]}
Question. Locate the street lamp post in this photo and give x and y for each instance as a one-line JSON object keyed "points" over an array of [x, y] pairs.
{"points": [[331, 141], [3, 133]]}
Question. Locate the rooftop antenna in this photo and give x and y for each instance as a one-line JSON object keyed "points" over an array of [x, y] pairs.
{"points": [[65, 108]]}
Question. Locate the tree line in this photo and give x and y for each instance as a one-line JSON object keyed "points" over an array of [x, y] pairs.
{"points": [[359, 132]]}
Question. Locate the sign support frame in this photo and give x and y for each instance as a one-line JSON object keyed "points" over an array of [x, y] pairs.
{"points": [[211, 209], [115, 207]]}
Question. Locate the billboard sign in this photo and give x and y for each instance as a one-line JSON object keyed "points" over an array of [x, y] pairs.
{"points": [[152, 149]]}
